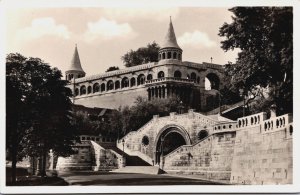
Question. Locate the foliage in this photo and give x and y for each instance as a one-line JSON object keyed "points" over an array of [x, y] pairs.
{"points": [[265, 37], [133, 118], [112, 68], [86, 124], [38, 105], [229, 96], [141, 55]]}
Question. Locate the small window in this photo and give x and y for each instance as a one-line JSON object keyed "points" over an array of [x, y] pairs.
{"points": [[202, 134], [161, 74], [145, 140]]}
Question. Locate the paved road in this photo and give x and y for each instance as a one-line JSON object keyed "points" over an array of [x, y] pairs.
{"points": [[108, 178]]}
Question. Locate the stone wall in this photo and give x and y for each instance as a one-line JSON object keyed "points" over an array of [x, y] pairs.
{"points": [[113, 100], [263, 152], [82, 160], [210, 158], [105, 159]]}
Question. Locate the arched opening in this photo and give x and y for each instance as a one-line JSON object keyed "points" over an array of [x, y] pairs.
{"points": [[132, 82], [102, 87], [89, 89], [177, 74], [96, 88], [179, 56], [82, 90], [163, 56], [169, 140], [193, 76], [169, 55], [149, 77], [141, 79], [76, 92], [175, 55], [125, 82], [212, 81], [110, 85], [117, 85], [202, 134], [161, 74]]}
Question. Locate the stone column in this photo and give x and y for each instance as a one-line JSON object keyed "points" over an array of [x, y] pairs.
{"points": [[159, 92], [163, 92], [149, 94]]}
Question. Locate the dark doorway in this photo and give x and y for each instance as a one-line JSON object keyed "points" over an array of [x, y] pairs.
{"points": [[170, 140]]}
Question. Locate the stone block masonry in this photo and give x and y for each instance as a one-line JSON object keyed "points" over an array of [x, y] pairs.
{"points": [[263, 153]]}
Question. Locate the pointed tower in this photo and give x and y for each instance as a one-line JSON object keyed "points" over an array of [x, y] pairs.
{"points": [[75, 70], [170, 49]]}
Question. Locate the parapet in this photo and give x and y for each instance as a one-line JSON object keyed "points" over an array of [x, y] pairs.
{"points": [[251, 120], [276, 123]]}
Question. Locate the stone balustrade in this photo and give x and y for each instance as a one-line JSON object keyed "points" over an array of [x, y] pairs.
{"points": [[230, 126], [276, 123], [167, 79], [116, 72], [252, 120]]}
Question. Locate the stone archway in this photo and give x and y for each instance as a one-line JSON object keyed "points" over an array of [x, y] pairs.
{"points": [[168, 139]]}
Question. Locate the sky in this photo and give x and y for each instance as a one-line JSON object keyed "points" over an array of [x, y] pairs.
{"points": [[104, 34]]}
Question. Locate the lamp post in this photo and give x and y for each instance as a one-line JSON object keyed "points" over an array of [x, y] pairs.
{"points": [[162, 151], [123, 158], [242, 94], [219, 102], [180, 107]]}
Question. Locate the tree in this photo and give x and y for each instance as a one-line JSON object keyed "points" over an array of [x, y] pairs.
{"points": [[141, 55], [134, 117], [112, 68], [265, 37], [38, 110]]}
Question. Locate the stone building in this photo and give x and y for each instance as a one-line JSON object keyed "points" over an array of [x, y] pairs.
{"points": [[165, 78]]}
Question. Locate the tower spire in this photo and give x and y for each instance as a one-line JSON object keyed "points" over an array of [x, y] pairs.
{"points": [[170, 38], [170, 50], [75, 63], [75, 70]]}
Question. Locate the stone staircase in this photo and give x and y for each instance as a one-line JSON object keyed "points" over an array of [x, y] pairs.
{"points": [[152, 170], [130, 160]]}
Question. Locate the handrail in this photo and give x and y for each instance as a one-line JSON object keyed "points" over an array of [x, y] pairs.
{"points": [[169, 79]]}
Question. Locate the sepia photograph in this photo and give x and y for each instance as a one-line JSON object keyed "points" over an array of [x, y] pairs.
{"points": [[172, 98]]}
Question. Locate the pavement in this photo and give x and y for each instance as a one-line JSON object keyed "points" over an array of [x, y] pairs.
{"points": [[128, 179]]}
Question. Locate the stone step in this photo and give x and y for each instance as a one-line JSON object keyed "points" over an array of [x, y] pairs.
{"points": [[153, 170]]}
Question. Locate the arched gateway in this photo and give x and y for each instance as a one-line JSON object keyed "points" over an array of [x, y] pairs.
{"points": [[168, 139]]}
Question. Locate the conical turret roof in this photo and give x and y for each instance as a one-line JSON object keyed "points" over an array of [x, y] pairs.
{"points": [[75, 63], [170, 39]]}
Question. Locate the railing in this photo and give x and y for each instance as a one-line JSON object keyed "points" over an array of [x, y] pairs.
{"points": [[134, 153], [165, 79], [230, 126], [187, 147], [116, 72], [251, 120], [276, 123]]}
